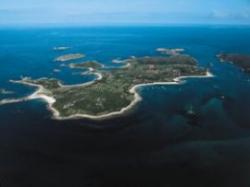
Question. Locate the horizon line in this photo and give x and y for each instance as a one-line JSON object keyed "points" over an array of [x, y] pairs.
{"points": [[60, 25]]}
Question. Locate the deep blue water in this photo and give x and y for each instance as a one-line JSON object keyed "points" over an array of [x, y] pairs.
{"points": [[158, 143]]}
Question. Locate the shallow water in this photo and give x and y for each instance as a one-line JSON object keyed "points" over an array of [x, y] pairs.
{"points": [[158, 143]]}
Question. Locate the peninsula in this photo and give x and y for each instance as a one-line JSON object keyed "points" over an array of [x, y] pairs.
{"points": [[114, 91]]}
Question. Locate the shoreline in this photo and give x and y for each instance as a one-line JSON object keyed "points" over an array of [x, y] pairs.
{"points": [[99, 77], [50, 100]]}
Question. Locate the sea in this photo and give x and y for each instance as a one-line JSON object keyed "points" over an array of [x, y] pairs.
{"points": [[193, 134]]}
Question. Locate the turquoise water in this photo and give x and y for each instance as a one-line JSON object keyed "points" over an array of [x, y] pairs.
{"points": [[158, 143]]}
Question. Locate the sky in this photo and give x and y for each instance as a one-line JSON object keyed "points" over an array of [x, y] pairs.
{"points": [[114, 12]]}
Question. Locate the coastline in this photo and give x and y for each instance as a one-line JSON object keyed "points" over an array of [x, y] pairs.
{"points": [[40, 94], [98, 78]]}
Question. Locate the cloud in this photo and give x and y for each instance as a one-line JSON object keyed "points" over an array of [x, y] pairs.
{"points": [[137, 11], [5, 11]]}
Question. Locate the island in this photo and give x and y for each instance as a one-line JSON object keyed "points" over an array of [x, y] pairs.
{"points": [[5, 92], [56, 70], [61, 48], [69, 57], [166, 51], [86, 65], [115, 91], [240, 60]]}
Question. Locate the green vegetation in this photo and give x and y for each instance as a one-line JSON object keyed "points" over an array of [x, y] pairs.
{"points": [[86, 65], [48, 84], [69, 57], [111, 93]]}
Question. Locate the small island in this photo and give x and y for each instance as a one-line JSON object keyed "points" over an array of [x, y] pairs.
{"points": [[240, 60], [69, 57], [56, 70], [61, 48], [5, 92], [86, 65], [114, 91], [166, 51]]}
